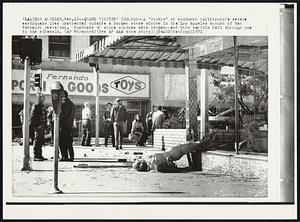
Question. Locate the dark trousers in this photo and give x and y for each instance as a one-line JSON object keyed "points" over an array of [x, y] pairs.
{"points": [[86, 130], [109, 131], [39, 137], [66, 143], [118, 130], [52, 131], [31, 133]]}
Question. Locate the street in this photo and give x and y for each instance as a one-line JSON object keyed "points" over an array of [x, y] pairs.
{"points": [[106, 172]]}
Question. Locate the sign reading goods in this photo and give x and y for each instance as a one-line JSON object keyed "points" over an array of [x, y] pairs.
{"points": [[84, 84]]}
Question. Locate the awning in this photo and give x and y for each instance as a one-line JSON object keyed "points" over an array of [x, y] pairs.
{"points": [[248, 55], [135, 50], [165, 51]]}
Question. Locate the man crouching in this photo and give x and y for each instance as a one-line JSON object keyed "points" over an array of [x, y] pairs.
{"points": [[164, 162]]}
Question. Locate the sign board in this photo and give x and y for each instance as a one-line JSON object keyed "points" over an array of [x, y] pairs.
{"points": [[227, 70], [84, 83]]}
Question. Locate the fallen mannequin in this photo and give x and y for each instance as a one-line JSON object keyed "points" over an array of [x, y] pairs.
{"points": [[164, 162]]}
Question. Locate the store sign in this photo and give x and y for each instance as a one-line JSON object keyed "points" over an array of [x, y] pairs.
{"points": [[84, 83], [128, 85], [209, 46]]}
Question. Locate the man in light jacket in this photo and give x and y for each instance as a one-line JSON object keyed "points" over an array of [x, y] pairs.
{"points": [[86, 125]]}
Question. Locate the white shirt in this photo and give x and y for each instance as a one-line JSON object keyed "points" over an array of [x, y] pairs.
{"points": [[86, 113], [158, 118]]}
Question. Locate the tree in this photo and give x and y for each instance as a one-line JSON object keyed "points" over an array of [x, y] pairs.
{"points": [[251, 85]]}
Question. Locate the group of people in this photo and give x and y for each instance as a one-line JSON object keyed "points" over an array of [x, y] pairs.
{"points": [[114, 118], [154, 120], [40, 117]]}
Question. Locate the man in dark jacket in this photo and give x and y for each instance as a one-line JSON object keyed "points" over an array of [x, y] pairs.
{"points": [[118, 116], [38, 123], [66, 120], [108, 125]]}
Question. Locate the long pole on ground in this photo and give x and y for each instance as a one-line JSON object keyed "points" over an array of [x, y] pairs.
{"points": [[26, 110], [96, 72], [236, 102], [187, 99]]}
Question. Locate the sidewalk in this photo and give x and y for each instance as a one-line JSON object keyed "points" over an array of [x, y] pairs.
{"points": [[106, 172]]}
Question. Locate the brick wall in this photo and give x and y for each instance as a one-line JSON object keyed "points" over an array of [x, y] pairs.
{"points": [[168, 138]]}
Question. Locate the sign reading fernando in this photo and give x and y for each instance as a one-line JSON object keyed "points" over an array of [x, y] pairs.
{"points": [[84, 84]]}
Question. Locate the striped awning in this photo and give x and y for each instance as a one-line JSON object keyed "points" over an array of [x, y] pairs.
{"points": [[135, 50], [100, 45], [164, 51]]}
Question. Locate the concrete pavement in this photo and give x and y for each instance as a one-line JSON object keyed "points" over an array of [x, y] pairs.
{"points": [[106, 172]]}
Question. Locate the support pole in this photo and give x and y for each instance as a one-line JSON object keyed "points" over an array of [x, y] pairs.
{"points": [[204, 104], [96, 72], [254, 76], [26, 110], [56, 146], [236, 102], [187, 100]]}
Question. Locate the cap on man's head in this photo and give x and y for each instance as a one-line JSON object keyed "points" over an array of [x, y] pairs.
{"points": [[118, 99], [86, 104]]}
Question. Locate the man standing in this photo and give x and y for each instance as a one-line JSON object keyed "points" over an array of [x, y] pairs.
{"points": [[108, 125], [66, 120], [149, 122], [38, 123], [86, 125], [158, 118], [118, 116]]}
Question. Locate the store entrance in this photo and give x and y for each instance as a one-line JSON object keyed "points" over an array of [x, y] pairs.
{"points": [[141, 107]]}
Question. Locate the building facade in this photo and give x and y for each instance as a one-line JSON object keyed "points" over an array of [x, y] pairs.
{"points": [[142, 87]]}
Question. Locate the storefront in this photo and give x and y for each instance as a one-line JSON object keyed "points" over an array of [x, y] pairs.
{"points": [[140, 88]]}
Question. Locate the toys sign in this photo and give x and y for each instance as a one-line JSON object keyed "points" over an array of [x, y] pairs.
{"points": [[84, 83]]}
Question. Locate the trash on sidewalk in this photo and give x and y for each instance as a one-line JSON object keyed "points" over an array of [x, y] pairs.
{"points": [[81, 165], [127, 165]]}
